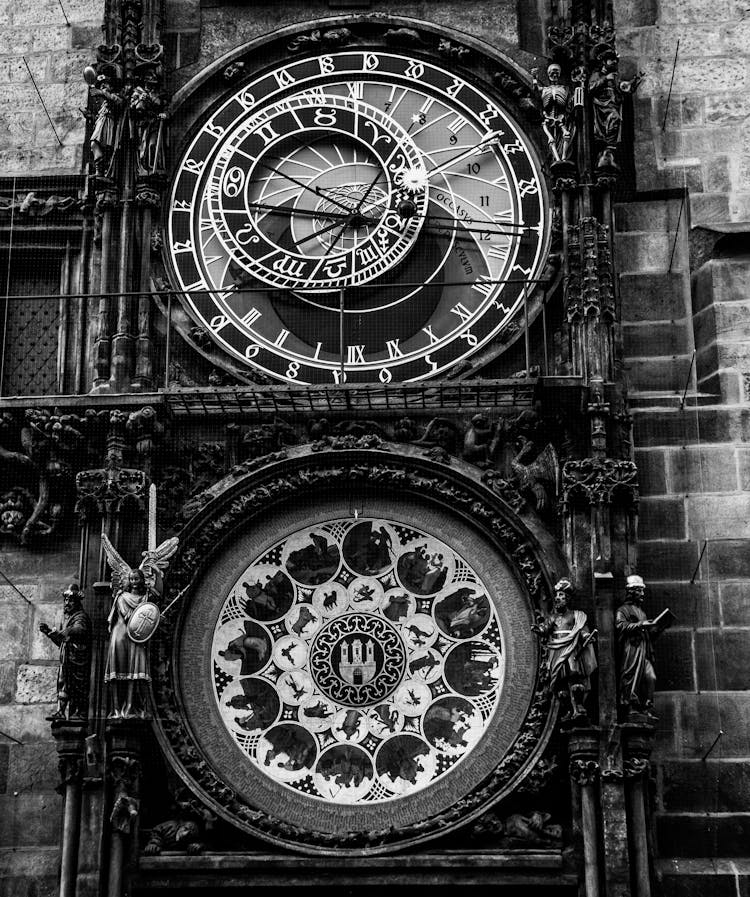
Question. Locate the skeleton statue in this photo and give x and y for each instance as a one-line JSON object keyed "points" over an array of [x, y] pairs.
{"points": [[73, 639], [558, 122], [132, 621], [571, 658]]}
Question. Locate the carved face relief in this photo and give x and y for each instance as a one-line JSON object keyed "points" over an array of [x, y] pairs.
{"points": [[357, 661]]}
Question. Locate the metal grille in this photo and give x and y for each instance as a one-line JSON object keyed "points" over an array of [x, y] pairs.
{"points": [[31, 332]]}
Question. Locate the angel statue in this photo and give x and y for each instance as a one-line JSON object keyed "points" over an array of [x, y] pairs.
{"points": [[129, 626]]}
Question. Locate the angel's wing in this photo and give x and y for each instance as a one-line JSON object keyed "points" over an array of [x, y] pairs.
{"points": [[120, 570], [155, 562]]}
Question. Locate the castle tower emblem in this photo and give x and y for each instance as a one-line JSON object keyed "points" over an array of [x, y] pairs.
{"points": [[355, 666]]}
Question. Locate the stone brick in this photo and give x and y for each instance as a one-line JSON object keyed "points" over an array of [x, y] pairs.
{"points": [[708, 208], [656, 339], [36, 684], [665, 707], [699, 717], [735, 603], [667, 560], [53, 159], [680, 12], [713, 516], [661, 518], [702, 469], [653, 297], [729, 559], [725, 110], [716, 175], [7, 681], [652, 474], [27, 820], [42, 648], [4, 762], [695, 785], [663, 373], [693, 604], [725, 321], [691, 835], [14, 632], [33, 767], [26, 723], [674, 663], [646, 250], [687, 884], [723, 659], [654, 215], [636, 12]]}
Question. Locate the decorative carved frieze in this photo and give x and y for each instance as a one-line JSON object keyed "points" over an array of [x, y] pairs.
{"points": [[588, 289], [599, 481]]}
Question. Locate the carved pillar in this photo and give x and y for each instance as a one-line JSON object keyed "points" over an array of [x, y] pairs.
{"points": [[69, 738], [583, 747], [125, 740], [638, 739]]}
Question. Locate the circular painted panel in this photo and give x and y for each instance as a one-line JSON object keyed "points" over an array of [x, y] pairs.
{"points": [[357, 661]]}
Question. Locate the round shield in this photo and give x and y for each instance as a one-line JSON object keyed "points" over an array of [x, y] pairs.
{"points": [[143, 622]]}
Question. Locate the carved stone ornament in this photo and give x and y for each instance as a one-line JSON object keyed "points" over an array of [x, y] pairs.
{"points": [[599, 481], [584, 772], [279, 665]]}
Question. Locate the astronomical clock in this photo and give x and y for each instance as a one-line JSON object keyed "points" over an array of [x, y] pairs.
{"points": [[356, 216]]}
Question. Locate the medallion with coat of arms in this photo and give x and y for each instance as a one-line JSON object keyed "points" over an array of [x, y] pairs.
{"points": [[358, 661]]}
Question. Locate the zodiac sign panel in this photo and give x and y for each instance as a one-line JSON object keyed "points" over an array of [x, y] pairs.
{"points": [[358, 661]]}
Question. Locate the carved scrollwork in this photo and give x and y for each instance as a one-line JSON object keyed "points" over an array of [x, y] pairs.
{"points": [[584, 772], [599, 481]]}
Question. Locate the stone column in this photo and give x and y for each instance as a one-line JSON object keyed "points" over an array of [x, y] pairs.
{"points": [[125, 740], [584, 772], [69, 738], [638, 739]]}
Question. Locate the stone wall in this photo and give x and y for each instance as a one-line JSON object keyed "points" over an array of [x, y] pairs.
{"points": [[56, 53], [30, 808], [196, 34], [705, 141]]}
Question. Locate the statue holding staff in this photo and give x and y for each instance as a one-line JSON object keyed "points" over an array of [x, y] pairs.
{"points": [[73, 639]]}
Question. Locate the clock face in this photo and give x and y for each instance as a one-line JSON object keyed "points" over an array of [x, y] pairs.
{"points": [[360, 216]]}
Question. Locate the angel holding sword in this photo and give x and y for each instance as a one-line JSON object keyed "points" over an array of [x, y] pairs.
{"points": [[127, 658]]}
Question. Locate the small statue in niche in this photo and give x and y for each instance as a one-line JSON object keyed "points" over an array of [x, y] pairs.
{"points": [[73, 639], [132, 621], [635, 634], [558, 122], [107, 132], [147, 104], [186, 830], [571, 658], [607, 92]]}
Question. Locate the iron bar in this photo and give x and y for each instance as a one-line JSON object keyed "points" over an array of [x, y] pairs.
{"points": [[697, 566], [687, 381], [671, 82], [16, 589], [713, 744], [676, 233], [41, 100]]}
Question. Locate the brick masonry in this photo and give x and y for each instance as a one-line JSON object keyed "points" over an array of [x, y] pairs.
{"points": [[30, 808], [56, 54], [705, 143]]}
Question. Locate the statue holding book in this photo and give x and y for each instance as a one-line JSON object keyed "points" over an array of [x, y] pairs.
{"points": [[635, 636]]}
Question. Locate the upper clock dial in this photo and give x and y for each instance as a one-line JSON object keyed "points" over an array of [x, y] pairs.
{"points": [[361, 212]]}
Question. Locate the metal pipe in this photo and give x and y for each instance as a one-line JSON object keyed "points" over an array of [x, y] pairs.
{"points": [[79, 323], [101, 347], [527, 339], [342, 294], [62, 314], [168, 347]]}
